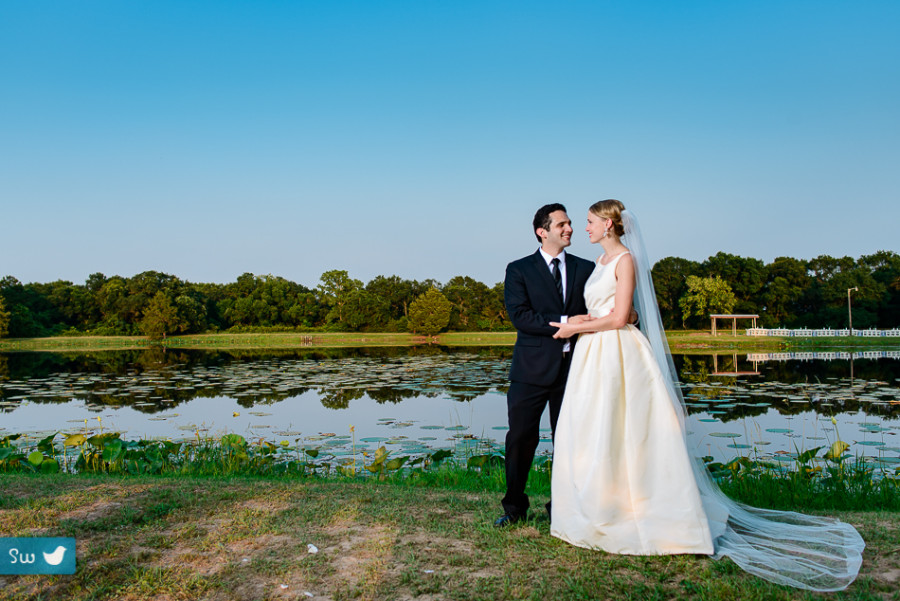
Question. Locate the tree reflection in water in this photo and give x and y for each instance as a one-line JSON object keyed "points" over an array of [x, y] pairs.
{"points": [[722, 392]]}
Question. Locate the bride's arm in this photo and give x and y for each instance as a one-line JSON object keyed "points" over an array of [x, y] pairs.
{"points": [[621, 313]]}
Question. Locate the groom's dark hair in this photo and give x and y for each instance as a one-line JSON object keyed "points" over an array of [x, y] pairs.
{"points": [[542, 217]]}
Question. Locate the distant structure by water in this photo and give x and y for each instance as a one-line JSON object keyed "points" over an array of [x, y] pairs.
{"points": [[804, 332], [827, 356]]}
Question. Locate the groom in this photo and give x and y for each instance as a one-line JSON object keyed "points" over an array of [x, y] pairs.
{"points": [[540, 288]]}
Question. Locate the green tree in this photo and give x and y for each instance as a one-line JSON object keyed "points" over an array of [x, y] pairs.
{"points": [[476, 307], [142, 288], [305, 311], [469, 299], [31, 311], [262, 301], [399, 294], [786, 292], [670, 282], [334, 291], [111, 299], [429, 313], [4, 319], [705, 296], [160, 317], [191, 312], [495, 311], [364, 311], [885, 268], [746, 277], [832, 277]]}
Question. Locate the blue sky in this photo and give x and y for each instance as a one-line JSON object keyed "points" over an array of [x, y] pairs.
{"points": [[209, 139]]}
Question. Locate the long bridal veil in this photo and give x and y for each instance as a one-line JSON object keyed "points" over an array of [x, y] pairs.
{"points": [[809, 552]]}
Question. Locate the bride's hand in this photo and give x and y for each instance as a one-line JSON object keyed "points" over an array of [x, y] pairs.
{"points": [[566, 330], [576, 319]]}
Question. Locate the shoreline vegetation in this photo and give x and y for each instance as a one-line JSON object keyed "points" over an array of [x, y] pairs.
{"points": [[827, 477], [680, 341]]}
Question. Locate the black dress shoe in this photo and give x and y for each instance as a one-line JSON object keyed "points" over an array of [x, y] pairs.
{"points": [[508, 519]]}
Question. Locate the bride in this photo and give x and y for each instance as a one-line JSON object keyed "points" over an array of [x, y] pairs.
{"points": [[623, 478]]}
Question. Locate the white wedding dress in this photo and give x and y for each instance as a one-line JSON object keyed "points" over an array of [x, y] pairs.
{"points": [[622, 475], [623, 478]]}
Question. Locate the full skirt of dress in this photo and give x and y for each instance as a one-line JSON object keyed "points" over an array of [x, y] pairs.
{"points": [[622, 475]]}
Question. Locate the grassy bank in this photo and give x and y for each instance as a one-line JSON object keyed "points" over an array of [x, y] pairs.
{"points": [[275, 340], [701, 341], [247, 538], [689, 341]]}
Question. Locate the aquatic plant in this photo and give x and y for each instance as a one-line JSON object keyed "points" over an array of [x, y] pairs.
{"points": [[808, 479]]}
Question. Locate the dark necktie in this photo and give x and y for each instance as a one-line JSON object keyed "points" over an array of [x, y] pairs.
{"points": [[557, 276]]}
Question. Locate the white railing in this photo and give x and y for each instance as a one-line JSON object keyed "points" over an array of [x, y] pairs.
{"points": [[805, 332], [827, 356]]}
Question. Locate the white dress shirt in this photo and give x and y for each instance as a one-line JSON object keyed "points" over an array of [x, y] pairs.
{"points": [[562, 273]]}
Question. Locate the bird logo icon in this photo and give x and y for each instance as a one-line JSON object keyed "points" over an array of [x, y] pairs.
{"points": [[55, 558]]}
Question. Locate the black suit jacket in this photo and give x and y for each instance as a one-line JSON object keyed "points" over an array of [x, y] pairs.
{"points": [[532, 303]]}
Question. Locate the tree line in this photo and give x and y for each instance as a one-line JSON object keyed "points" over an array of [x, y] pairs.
{"points": [[158, 304], [787, 292]]}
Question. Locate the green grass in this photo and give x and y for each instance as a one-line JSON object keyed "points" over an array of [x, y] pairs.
{"points": [[692, 341], [246, 538], [276, 340], [701, 342]]}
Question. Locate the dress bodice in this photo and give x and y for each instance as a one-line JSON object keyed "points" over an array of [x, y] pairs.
{"points": [[600, 289]]}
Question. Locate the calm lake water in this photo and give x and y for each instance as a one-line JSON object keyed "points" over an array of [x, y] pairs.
{"points": [[419, 399]]}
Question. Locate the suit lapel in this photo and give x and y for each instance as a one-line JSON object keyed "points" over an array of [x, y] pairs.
{"points": [[544, 273], [571, 267]]}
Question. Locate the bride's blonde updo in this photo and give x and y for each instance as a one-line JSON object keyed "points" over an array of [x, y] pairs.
{"points": [[610, 209]]}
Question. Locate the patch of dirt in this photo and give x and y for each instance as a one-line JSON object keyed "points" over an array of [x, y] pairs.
{"points": [[527, 532], [467, 517], [362, 557], [430, 543], [266, 505], [288, 588], [882, 565], [216, 549], [446, 547], [111, 495], [248, 547]]}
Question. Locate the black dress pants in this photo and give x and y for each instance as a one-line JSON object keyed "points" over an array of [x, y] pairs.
{"points": [[525, 405]]}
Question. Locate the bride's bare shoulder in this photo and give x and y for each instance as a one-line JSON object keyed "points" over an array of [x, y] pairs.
{"points": [[625, 265]]}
